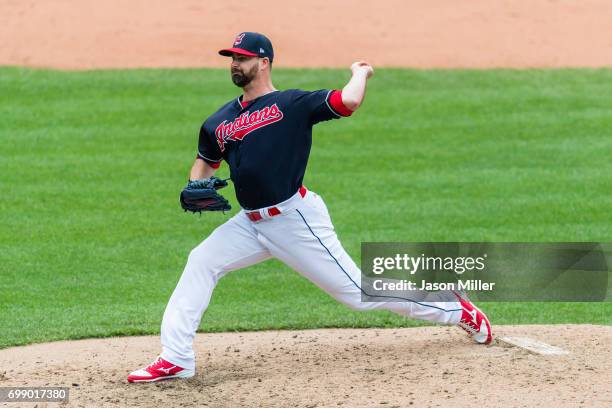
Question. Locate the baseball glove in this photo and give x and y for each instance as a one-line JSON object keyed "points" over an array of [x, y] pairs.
{"points": [[201, 195]]}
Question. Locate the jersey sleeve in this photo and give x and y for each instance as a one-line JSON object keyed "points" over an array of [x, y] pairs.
{"points": [[208, 149], [322, 105]]}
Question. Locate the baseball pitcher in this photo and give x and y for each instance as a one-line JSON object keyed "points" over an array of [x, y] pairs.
{"points": [[264, 136]]}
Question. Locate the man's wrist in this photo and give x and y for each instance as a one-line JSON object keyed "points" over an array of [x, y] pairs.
{"points": [[362, 72]]}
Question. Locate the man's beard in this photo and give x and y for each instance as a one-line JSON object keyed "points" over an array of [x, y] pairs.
{"points": [[242, 80]]}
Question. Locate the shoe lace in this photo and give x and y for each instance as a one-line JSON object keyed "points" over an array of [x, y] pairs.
{"points": [[155, 364], [468, 326]]}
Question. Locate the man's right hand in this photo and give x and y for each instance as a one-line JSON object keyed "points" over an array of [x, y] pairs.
{"points": [[362, 66]]}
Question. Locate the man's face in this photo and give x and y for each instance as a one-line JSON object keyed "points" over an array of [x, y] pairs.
{"points": [[244, 69]]}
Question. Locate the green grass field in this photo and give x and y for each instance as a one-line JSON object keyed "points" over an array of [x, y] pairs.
{"points": [[93, 239]]}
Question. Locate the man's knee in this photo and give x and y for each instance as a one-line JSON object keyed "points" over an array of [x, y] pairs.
{"points": [[360, 306], [203, 260], [355, 303], [204, 254]]}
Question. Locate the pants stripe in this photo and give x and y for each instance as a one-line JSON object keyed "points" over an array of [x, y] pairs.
{"points": [[355, 283]]}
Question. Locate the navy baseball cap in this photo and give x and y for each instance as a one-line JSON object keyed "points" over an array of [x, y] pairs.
{"points": [[251, 44]]}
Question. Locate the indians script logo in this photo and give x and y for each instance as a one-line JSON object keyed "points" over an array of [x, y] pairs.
{"points": [[238, 39], [246, 123]]}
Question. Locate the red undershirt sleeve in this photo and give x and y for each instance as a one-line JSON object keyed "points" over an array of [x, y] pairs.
{"points": [[335, 101], [211, 164]]}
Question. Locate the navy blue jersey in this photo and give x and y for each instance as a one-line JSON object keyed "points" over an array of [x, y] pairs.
{"points": [[267, 142]]}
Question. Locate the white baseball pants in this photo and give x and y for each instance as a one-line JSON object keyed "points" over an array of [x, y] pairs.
{"points": [[302, 237]]}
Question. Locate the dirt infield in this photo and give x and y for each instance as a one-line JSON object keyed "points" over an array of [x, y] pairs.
{"points": [[80, 34], [431, 366]]}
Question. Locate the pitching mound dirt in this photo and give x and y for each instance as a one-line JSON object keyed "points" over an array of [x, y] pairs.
{"points": [[431, 366], [77, 34]]}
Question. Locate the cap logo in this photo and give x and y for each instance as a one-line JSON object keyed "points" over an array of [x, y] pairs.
{"points": [[261, 50], [238, 39]]}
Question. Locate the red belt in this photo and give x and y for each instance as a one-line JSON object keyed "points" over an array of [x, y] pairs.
{"points": [[272, 211]]}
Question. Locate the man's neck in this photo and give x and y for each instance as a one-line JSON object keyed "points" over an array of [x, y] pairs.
{"points": [[255, 90]]}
